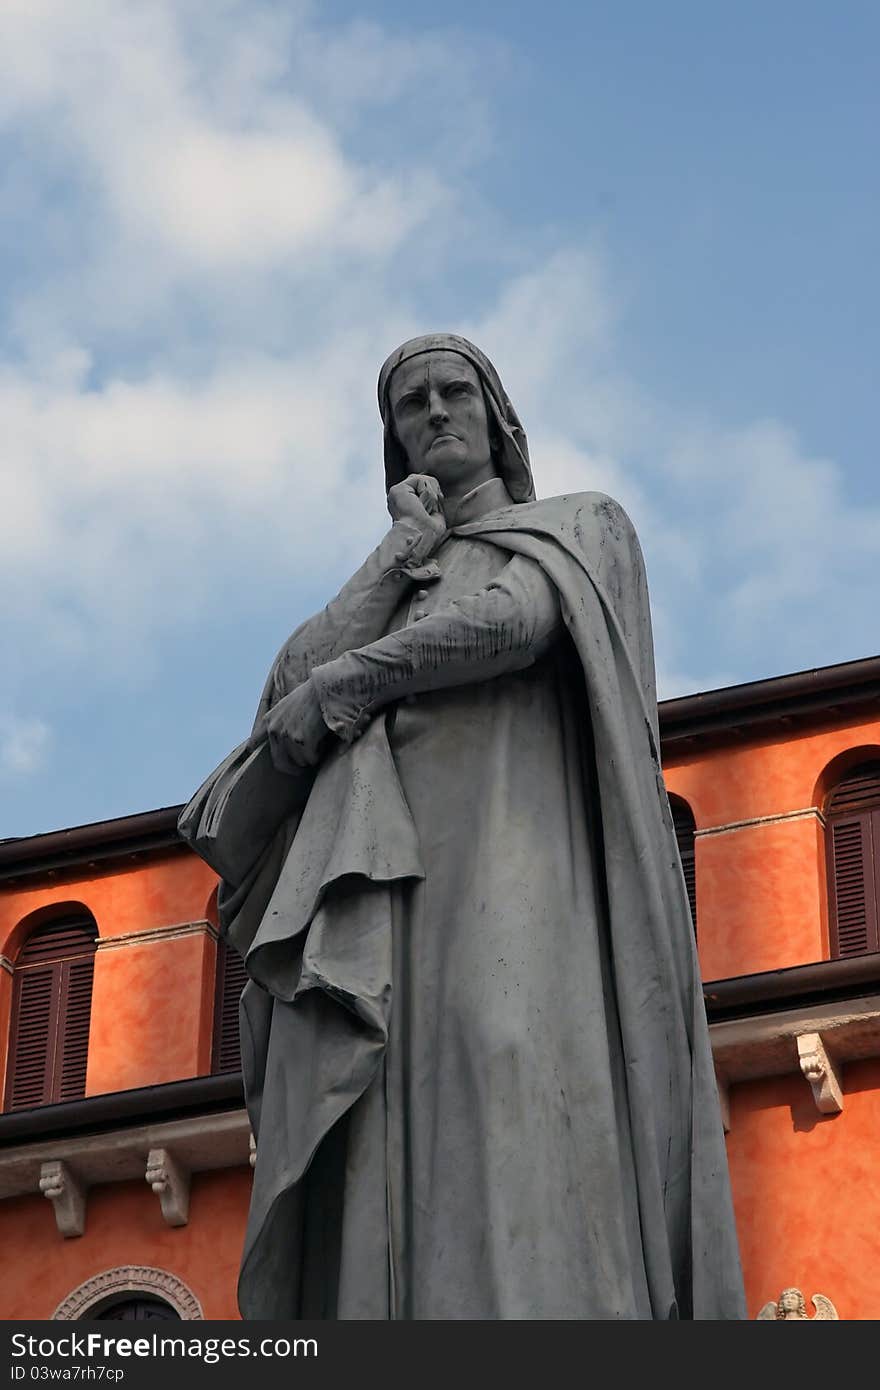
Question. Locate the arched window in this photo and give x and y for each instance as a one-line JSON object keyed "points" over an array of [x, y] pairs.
{"points": [[852, 815], [231, 980], [130, 1292], [51, 1007], [685, 826], [137, 1308]]}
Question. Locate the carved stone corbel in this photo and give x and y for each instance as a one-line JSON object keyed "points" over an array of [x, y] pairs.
{"points": [[170, 1181], [67, 1196], [821, 1072]]}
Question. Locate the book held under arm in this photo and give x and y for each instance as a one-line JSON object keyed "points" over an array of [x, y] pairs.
{"points": [[237, 810]]}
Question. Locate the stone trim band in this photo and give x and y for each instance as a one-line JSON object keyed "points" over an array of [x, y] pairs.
{"points": [[808, 813], [137, 938]]}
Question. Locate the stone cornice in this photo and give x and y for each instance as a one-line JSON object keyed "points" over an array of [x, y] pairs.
{"points": [[815, 1042], [199, 1143], [748, 1049]]}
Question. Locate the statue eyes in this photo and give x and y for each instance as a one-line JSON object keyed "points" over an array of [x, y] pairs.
{"points": [[417, 400]]}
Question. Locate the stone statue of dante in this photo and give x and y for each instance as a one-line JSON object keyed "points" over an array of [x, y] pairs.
{"points": [[475, 1051]]}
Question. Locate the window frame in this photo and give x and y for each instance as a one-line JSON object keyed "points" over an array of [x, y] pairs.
{"points": [[852, 851], [50, 1014]]}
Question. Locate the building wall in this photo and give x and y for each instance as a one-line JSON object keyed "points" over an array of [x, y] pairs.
{"points": [[152, 1002], [124, 1226], [805, 1191], [151, 1022], [802, 1182], [760, 857], [802, 1185]]}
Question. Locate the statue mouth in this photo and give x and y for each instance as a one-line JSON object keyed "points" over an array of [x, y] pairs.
{"points": [[440, 438]]}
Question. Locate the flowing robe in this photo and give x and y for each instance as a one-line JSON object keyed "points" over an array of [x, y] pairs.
{"points": [[477, 1062]]}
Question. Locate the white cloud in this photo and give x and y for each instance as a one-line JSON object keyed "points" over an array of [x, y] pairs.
{"points": [[197, 182], [119, 499], [24, 745], [757, 560], [113, 500], [779, 551], [202, 175], [551, 327], [193, 407]]}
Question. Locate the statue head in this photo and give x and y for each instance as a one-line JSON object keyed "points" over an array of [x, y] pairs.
{"points": [[446, 413], [792, 1304]]}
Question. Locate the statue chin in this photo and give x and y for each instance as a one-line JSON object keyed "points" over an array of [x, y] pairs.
{"points": [[445, 456], [455, 470]]}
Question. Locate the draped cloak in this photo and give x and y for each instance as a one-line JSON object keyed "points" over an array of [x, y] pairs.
{"points": [[475, 1051]]}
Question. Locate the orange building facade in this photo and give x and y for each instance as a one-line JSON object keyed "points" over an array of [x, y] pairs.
{"points": [[124, 1191]]}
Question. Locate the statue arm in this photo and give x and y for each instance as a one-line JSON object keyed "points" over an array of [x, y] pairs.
{"points": [[504, 627], [358, 614]]}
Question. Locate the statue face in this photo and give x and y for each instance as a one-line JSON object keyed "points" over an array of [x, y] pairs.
{"points": [[440, 419]]}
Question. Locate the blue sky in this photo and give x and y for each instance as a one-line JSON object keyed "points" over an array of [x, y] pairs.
{"points": [[218, 216]]}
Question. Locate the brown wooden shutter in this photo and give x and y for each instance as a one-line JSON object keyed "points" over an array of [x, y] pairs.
{"points": [[34, 1005], [73, 1038], [683, 820], [51, 1005], [853, 849], [231, 980]]}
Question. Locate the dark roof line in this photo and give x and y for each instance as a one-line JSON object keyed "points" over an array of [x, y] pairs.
{"points": [[781, 698], [106, 839], [795, 987], [172, 1100]]}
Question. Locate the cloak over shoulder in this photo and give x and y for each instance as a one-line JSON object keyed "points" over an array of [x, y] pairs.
{"points": [[312, 914]]}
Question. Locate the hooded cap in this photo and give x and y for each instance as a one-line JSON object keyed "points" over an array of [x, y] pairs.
{"points": [[512, 460]]}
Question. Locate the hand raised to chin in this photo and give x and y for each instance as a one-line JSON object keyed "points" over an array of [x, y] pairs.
{"points": [[418, 498]]}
